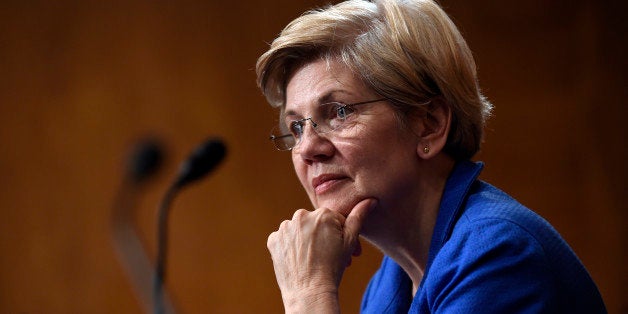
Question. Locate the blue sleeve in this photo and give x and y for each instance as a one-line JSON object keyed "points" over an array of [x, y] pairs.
{"points": [[490, 266]]}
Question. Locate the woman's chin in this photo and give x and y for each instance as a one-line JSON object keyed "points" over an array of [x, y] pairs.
{"points": [[342, 206]]}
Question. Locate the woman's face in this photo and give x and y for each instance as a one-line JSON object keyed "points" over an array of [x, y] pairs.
{"points": [[371, 156]]}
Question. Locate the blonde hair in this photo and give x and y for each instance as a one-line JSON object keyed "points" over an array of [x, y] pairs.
{"points": [[408, 51]]}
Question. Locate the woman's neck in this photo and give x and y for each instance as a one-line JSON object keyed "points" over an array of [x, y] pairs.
{"points": [[403, 231]]}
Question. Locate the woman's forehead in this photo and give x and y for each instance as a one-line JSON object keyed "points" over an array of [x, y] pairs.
{"points": [[319, 82]]}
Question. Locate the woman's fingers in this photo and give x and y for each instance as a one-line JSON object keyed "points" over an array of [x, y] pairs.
{"points": [[353, 225], [313, 248], [356, 217]]}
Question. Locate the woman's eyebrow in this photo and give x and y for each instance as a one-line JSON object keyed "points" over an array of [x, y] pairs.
{"points": [[289, 113], [329, 96]]}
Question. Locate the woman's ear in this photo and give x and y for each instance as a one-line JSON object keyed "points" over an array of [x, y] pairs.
{"points": [[435, 123]]}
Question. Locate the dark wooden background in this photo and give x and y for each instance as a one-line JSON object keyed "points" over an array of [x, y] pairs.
{"points": [[81, 81]]}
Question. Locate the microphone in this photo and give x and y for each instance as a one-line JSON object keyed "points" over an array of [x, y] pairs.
{"points": [[202, 161], [145, 160], [142, 164]]}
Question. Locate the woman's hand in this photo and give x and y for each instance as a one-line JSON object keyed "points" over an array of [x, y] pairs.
{"points": [[310, 253]]}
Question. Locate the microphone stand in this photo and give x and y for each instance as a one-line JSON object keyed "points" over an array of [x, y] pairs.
{"points": [[204, 159], [131, 251], [162, 249]]}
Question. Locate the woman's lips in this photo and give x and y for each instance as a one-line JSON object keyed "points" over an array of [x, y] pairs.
{"points": [[325, 182]]}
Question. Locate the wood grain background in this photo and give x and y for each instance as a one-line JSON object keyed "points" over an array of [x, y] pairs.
{"points": [[81, 81]]}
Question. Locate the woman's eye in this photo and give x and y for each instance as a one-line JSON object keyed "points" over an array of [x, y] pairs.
{"points": [[343, 112], [296, 128]]}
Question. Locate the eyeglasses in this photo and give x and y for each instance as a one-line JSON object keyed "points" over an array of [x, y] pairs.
{"points": [[334, 117]]}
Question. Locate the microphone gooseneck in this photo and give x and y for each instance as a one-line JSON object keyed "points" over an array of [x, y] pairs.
{"points": [[203, 160]]}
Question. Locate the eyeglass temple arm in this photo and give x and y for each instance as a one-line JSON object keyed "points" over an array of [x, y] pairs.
{"points": [[273, 137]]}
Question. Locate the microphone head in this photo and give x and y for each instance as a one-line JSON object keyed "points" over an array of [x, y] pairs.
{"points": [[203, 160], [145, 160]]}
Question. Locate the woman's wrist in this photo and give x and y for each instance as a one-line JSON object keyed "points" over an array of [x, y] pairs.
{"points": [[312, 301]]}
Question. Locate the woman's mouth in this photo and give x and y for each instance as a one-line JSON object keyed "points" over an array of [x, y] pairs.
{"points": [[326, 182]]}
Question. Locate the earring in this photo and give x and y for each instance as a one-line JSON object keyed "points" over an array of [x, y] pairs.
{"points": [[426, 149]]}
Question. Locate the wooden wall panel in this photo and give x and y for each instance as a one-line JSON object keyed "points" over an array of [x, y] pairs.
{"points": [[82, 81]]}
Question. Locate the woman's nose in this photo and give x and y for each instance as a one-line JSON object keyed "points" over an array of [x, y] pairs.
{"points": [[313, 146]]}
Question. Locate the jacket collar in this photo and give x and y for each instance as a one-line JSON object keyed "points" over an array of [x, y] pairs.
{"points": [[457, 187]]}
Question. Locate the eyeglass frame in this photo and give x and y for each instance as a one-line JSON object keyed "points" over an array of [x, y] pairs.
{"points": [[275, 138]]}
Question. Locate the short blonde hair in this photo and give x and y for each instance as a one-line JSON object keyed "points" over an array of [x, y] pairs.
{"points": [[408, 51]]}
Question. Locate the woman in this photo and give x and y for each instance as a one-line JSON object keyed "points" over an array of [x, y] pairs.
{"points": [[381, 109]]}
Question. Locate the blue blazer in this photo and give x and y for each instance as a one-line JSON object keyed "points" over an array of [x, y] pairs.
{"points": [[488, 254]]}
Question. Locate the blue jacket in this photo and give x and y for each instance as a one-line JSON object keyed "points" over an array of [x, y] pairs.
{"points": [[488, 254]]}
